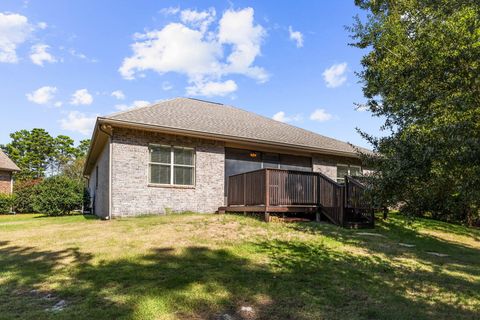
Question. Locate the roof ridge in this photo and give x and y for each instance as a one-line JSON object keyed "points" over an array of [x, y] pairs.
{"points": [[202, 100]]}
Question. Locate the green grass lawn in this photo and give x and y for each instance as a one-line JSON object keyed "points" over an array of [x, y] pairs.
{"points": [[207, 266]]}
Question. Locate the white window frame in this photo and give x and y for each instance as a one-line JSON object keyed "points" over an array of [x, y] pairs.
{"points": [[349, 167], [171, 164]]}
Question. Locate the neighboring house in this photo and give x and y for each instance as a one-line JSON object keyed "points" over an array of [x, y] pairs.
{"points": [[7, 168], [176, 155]]}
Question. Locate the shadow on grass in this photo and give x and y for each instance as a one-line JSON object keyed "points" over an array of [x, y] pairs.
{"points": [[85, 216], [300, 281], [394, 231]]}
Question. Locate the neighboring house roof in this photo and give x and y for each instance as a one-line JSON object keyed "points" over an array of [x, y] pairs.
{"points": [[6, 164], [194, 117]]}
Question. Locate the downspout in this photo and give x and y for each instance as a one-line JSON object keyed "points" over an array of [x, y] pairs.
{"points": [[103, 128]]}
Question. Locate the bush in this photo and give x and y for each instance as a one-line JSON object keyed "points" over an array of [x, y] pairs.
{"points": [[6, 203], [58, 195], [24, 192]]}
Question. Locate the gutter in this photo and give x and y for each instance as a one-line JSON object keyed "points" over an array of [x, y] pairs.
{"points": [[103, 128], [201, 134]]}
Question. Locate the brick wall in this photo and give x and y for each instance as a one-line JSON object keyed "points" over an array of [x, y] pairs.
{"points": [[99, 191], [328, 164], [131, 192], [5, 182]]}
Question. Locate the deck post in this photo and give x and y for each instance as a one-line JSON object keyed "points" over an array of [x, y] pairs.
{"points": [[267, 188], [244, 189], [267, 216], [318, 217], [267, 195]]}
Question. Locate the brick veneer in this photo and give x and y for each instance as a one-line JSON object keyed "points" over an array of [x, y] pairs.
{"points": [[328, 164], [99, 189], [131, 192], [5, 182]]}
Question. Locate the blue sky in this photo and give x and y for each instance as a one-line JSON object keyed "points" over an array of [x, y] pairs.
{"points": [[62, 63]]}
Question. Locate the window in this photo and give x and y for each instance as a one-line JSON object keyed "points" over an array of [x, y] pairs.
{"points": [[244, 160], [172, 165], [347, 170], [96, 177]]}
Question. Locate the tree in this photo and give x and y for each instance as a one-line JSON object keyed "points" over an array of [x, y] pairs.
{"points": [[37, 153], [31, 151], [422, 75], [82, 148], [64, 152], [74, 169]]}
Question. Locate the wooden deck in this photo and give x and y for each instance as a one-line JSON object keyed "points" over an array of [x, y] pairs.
{"points": [[271, 191]]}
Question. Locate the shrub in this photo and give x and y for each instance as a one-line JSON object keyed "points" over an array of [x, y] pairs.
{"points": [[24, 192], [6, 203], [58, 195]]}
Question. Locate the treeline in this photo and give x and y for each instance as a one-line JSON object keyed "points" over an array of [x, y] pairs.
{"points": [[421, 74], [50, 180]]}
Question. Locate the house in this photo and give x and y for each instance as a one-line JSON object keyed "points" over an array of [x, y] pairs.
{"points": [[7, 168], [178, 155]]}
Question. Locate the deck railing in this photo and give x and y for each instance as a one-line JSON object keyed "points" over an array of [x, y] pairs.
{"points": [[273, 187], [332, 196], [247, 189], [355, 194], [277, 187], [290, 188]]}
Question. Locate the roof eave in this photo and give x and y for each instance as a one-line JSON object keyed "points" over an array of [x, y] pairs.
{"points": [[137, 125], [90, 148], [10, 169]]}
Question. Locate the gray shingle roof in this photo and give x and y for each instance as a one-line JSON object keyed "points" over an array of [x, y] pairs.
{"points": [[6, 163], [224, 120]]}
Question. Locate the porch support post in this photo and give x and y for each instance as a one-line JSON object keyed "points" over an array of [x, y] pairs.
{"points": [[267, 195], [244, 189], [267, 216]]}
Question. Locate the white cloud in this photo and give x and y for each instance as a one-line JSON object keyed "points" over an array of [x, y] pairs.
{"points": [[335, 75], [282, 117], [135, 104], [237, 28], [42, 25], [78, 122], [39, 54], [81, 96], [118, 94], [198, 19], [320, 115], [42, 95], [296, 36], [212, 88], [58, 104], [170, 10], [81, 56], [166, 86], [14, 30], [361, 107], [170, 50]]}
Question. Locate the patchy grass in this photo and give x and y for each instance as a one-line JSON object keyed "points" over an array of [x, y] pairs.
{"points": [[205, 266]]}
